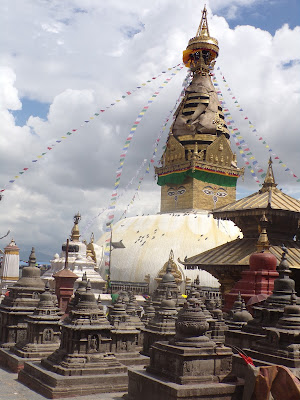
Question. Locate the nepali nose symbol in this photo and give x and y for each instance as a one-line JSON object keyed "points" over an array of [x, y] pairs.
{"points": [[210, 191], [176, 192]]}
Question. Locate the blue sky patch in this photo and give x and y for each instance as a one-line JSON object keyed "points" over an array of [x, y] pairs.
{"points": [[30, 107]]}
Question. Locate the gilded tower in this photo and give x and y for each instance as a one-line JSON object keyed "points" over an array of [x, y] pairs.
{"points": [[198, 168]]}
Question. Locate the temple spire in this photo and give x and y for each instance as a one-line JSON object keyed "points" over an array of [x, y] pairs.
{"points": [[263, 243], [75, 235], [269, 181], [203, 27]]}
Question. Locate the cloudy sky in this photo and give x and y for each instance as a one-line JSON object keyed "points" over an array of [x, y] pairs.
{"points": [[62, 62]]}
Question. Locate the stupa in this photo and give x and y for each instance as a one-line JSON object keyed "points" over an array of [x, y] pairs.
{"points": [[9, 273], [42, 338], [198, 173], [21, 302], [188, 366], [162, 326], [125, 343], [81, 260], [83, 364]]}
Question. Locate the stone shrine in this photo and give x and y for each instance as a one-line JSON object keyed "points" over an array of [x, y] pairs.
{"points": [[162, 326], [268, 312], [125, 342], [188, 366], [43, 335], [83, 364], [21, 302], [281, 346]]}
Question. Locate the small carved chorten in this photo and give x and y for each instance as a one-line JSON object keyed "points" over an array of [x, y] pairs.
{"points": [[268, 312], [43, 335], [83, 359], [149, 311], [167, 282], [21, 301], [190, 365], [162, 326], [125, 336], [282, 342]]}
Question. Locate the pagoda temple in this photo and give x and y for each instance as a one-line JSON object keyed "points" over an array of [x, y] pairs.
{"points": [[226, 262]]}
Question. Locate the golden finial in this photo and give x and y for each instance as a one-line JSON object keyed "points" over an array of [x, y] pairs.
{"points": [[75, 235], [202, 49], [203, 27], [269, 181], [263, 243]]}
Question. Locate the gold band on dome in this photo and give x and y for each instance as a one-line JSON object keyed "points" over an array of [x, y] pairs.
{"points": [[9, 278]]}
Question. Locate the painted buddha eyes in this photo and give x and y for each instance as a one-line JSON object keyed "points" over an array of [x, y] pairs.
{"points": [[181, 190], [214, 192], [208, 190], [171, 192]]}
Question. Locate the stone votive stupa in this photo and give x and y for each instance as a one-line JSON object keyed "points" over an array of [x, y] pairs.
{"points": [[189, 366], [21, 302], [281, 345], [83, 364], [125, 342], [43, 335], [162, 326]]}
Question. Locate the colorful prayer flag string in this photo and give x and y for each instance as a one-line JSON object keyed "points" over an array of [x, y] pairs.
{"points": [[254, 130], [238, 139], [114, 194], [96, 114]]}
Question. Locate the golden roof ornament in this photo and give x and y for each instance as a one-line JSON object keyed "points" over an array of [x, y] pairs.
{"points": [[75, 235], [202, 50], [263, 243], [269, 182]]}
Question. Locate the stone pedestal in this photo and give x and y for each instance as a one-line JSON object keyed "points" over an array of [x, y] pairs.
{"points": [[83, 364]]}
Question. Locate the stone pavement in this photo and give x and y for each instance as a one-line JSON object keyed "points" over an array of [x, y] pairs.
{"points": [[12, 389]]}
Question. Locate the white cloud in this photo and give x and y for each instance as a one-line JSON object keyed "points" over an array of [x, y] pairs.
{"points": [[80, 61]]}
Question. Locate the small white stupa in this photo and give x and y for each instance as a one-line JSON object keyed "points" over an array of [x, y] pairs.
{"points": [[10, 266], [80, 260]]}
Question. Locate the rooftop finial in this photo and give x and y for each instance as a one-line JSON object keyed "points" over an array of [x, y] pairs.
{"points": [[75, 235], [203, 27], [269, 181], [263, 241], [32, 258]]}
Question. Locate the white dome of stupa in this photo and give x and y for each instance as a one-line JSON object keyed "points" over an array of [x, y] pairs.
{"points": [[149, 239]]}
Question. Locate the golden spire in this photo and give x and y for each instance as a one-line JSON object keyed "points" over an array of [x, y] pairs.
{"points": [[202, 49], [203, 27], [75, 235], [263, 243], [269, 181]]}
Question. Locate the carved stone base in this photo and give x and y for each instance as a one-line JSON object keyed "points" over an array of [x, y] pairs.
{"points": [[132, 359], [54, 386], [143, 385], [190, 365]]}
